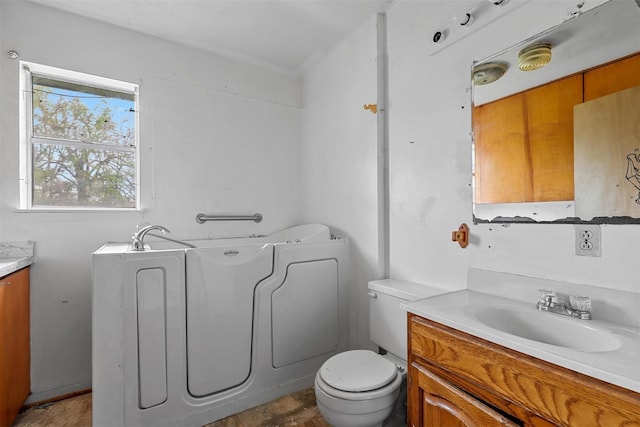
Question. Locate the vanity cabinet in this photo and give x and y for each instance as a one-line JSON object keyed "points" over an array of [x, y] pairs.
{"points": [[14, 344], [456, 379]]}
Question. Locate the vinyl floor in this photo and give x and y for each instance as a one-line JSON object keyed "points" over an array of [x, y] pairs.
{"points": [[297, 409]]}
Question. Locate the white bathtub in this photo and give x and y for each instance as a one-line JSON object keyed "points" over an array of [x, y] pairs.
{"points": [[187, 336]]}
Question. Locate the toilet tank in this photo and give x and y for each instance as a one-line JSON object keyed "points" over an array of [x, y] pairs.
{"points": [[387, 319]]}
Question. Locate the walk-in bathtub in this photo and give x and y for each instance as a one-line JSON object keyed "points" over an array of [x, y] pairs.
{"points": [[187, 336]]}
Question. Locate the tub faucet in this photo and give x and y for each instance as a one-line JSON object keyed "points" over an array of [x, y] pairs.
{"points": [[138, 238], [577, 306]]}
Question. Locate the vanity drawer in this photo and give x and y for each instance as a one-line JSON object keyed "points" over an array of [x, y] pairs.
{"points": [[564, 397]]}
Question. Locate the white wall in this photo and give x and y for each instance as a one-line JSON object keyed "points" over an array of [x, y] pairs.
{"points": [[217, 136], [430, 159], [430, 179], [339, 159]]}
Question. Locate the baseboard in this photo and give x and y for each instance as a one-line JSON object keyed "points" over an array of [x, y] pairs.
{"points": [[56, 394]]}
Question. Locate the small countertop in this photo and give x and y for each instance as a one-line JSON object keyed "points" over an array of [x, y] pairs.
{"points": [[15, 256], [619, 365], [11, 265]]}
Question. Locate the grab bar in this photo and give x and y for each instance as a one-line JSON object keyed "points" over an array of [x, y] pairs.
{"points": [[202, 218]]}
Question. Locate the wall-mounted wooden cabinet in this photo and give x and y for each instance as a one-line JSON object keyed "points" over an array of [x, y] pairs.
{"points": [[611, 78], [456, 379], [524, 143], [14, 344]]}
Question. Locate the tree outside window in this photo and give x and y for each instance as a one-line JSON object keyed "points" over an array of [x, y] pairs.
{"points": [[83, 145]]}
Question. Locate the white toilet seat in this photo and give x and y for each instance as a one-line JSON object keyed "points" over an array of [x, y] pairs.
{"points": [[358, 375], [358, 371]]}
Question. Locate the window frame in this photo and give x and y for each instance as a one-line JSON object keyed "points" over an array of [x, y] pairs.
{"points": [[27, 139]]}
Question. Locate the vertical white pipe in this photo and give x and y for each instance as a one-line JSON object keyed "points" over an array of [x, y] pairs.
{"points": [[383, 148]]}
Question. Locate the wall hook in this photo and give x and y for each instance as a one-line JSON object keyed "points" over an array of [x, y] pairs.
{"points": [[371, 107], [461, 235]]}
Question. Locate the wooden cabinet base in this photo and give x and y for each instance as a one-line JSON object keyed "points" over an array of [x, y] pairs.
{"points": [[504, 384], [14, 344]]}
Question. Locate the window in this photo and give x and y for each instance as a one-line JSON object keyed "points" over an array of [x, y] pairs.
{"points": [[80, 147]]}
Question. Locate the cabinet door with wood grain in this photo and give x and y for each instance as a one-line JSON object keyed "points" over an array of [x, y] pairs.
{"points": [[524, 144], [443, 404], [14, 344], [499, 131], [549, 120], [611, 78]]}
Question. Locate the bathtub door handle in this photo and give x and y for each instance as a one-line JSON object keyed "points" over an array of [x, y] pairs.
{"points": [[372, 294]]}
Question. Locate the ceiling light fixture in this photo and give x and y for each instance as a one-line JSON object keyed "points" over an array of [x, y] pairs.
{"points": [[465, 19], [534, 56], [484, 74]]}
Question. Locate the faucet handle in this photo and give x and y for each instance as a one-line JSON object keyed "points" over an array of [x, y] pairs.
{"points": [[580, 303], [547, 297]]}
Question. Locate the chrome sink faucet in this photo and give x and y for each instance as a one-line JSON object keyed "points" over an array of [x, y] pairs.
{"points": [[577, 306], [138, 238]]}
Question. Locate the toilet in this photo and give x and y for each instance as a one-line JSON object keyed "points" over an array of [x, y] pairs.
{"points": [[360, 388]]}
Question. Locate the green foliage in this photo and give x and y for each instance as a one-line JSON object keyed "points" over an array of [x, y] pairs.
{"points": [[82, 169]]}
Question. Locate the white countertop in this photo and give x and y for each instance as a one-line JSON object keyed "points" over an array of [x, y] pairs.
{"points": [[620, 366], [15, 256], [11, 265]]}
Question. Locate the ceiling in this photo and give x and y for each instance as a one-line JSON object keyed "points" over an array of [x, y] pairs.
{"points": [[279, 34]]}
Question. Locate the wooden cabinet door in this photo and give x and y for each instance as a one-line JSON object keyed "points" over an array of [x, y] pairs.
{"points": [[443, 404], [611, 78], [499, 131], [5, 413], [524, 144], [550, 139], [14, 344]]}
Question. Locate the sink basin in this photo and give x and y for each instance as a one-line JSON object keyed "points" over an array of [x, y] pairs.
{"points": [[601, 348], [549, 328]]}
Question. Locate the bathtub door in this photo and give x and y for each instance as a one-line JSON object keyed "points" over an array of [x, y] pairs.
{"points": [[305, 312], [220, 284]]}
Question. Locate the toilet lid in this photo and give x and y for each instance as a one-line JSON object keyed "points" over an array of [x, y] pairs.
{"points": [[358, 370]]}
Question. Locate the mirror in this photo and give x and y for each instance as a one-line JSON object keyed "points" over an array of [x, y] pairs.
{"points": [[541, 179]]}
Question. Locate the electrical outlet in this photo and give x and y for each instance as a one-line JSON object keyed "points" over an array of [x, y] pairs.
{"points": [[588, 240]]}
